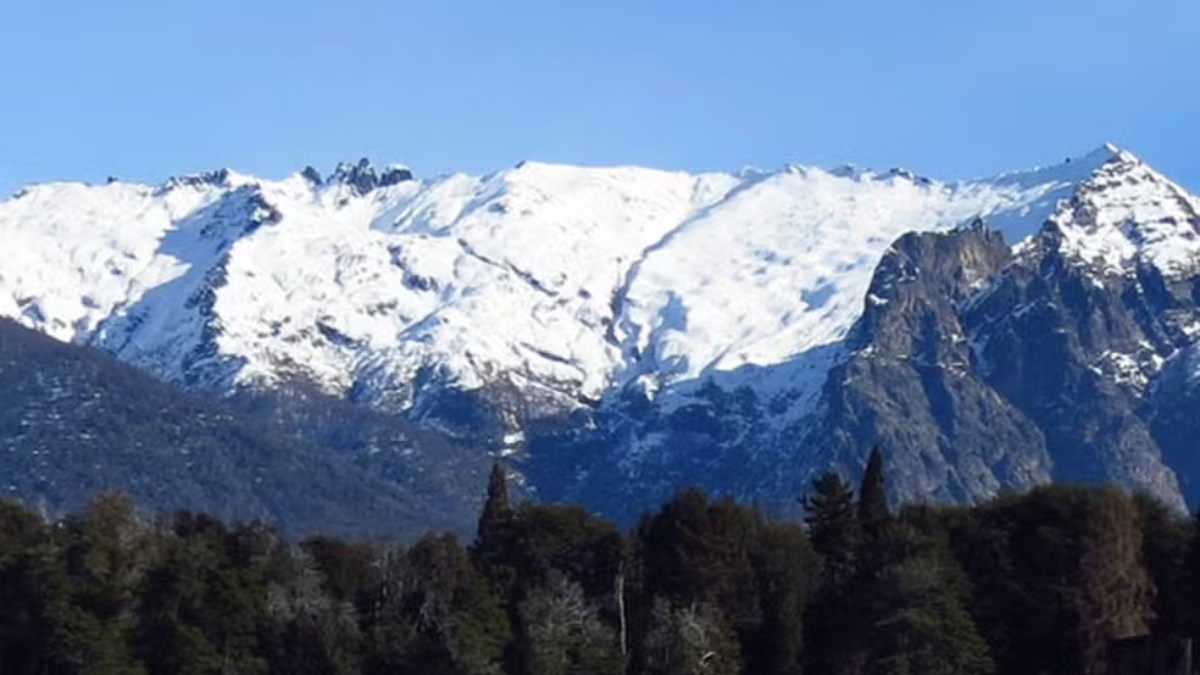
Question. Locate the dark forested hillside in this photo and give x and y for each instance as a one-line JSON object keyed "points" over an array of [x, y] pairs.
{"points": [[1034, 583], [75, 422]]}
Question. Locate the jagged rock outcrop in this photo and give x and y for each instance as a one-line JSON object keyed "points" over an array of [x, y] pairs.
{"points": [[362, 176], [1077, 352], [911, 386], [1077, 349], [981, 370]]}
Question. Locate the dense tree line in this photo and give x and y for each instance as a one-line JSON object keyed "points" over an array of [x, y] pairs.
{"points": [[1033, 583]]}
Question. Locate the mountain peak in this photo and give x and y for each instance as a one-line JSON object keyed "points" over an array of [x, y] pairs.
{"points": [[1125, 214], [218, 178], [1110, 153], [361, 176]]}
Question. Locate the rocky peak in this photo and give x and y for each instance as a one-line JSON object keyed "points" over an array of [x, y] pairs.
{"points": [[977, 369], [360, 176], [363, 178], [1126, 215], [311, 175], [394, 175], [217, 178], [919, 282], [911, 384]]}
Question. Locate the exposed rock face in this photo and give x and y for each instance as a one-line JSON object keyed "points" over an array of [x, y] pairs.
{"points": [[1077, 352], [910, 383], [1173, 413], [361, 177], [982, 370]]}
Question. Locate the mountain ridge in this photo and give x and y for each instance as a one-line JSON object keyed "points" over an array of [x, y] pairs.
{"points": [[501, 309]]}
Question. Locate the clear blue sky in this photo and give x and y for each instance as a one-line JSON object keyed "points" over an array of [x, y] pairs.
{"points": [[143, 90]]}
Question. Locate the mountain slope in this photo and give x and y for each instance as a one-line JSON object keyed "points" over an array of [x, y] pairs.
{"points": [[75, 422], [977, 367], [984, 370]]}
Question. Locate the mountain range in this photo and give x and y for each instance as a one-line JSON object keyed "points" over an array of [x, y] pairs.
{"points": [[617, 333]]}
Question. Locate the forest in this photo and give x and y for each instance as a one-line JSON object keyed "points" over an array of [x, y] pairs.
{"points": [[1040, 582]]}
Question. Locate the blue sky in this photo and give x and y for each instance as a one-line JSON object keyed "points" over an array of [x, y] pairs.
{"points": [[143, 90]]}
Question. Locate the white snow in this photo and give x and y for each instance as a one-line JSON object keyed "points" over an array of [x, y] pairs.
{"points": [[577, 279], [1129, 369], [1126, 214]]}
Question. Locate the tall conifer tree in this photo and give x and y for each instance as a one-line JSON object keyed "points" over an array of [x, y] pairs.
{"points": [[832, 524], [872, 495], [493, 548], [497, 513]]}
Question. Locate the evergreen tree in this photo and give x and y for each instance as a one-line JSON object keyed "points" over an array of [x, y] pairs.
{"points": [[460, 623], [497, 512], [345, 568], [204, 603], [494, 530], [104, 561], [1057, 574], [553, 549], [786, 569], [911, 606], [545, 539], [872, 495], [673, 545], [832, 524], [32, 587], [1035, 583], [698, 551]]}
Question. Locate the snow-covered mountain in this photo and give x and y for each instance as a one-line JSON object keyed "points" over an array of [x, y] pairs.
{"points": [[573, 290], [575, 279]]}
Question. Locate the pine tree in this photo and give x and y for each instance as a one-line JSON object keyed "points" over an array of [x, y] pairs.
{"points": [[546, 538], [1056, 574], [872, 496], [493, 539], [497, 513], [32, 586], [910, 603], [696, 550], [833, 527], [832, 524]]}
